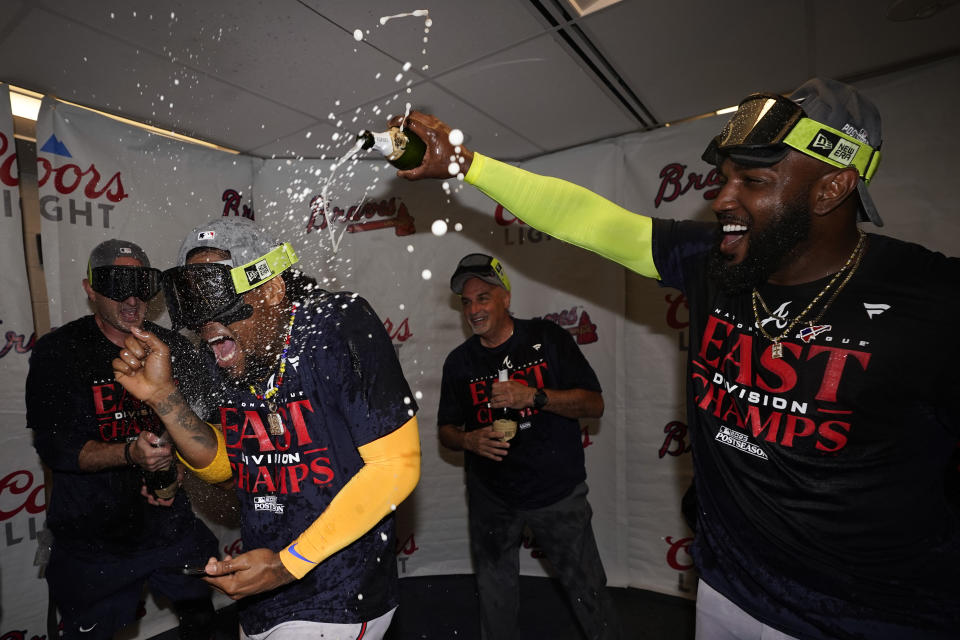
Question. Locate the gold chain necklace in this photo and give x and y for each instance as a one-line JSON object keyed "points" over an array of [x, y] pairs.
{"points": [[842, 277], [274, 422]]}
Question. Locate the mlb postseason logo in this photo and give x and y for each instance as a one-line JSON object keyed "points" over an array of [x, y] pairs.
{"points": [[257, 272], [831, 146]]}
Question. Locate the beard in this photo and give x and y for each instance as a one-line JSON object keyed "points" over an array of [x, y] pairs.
{"points": [[770, 246]]}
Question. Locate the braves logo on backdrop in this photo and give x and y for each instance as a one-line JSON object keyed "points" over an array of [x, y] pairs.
{"points": [[23, 634], [274, 465], [398, 333], [388, 214], [675, 443], [577, 323], [763, 399], [14, 341], [405, 548], [675, 182], [233, 204], [85, 196]]}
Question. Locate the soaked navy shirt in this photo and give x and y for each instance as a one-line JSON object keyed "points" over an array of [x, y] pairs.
{"points": [[342, 388], [72, 398], [820, 475]]}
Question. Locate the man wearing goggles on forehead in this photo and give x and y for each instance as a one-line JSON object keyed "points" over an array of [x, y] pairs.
{"points": [[821, 396], [110, 535], [318, 432]]}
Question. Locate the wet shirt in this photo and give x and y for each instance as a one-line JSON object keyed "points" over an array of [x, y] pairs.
{"points": [[72, 398], [820, 475], [545, 461], [342, 388]]}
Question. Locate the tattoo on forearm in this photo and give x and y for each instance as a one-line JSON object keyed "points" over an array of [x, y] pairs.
{"points": [[186, 419]]}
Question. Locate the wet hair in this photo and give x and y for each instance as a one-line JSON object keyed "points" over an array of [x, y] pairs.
{"points": [[299, 286]]}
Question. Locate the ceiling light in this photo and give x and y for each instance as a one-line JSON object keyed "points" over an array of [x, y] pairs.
{"points": [[24, 104], [583, 7]]}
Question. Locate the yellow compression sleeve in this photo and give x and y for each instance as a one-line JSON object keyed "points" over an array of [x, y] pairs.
{"points": [[219, 468], [568, 212], [390, 471]]}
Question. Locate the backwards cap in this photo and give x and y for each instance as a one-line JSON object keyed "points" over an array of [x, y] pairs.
{"points": [[107, 252], [261, 256]]}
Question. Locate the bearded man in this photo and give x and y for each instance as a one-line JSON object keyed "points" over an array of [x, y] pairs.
{"points": [[826, 519]]}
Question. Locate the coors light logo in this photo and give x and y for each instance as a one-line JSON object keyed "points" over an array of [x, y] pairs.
{"points": [[84, 194], [577, 321]]}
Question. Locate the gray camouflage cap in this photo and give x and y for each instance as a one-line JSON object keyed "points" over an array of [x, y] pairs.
{"points": [[240, 236]]}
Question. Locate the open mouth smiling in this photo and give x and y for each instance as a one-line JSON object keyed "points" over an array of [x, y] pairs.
{"points": [[224, 348]]}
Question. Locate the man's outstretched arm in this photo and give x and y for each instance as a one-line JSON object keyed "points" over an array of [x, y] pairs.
{"points": [[562, 209]]}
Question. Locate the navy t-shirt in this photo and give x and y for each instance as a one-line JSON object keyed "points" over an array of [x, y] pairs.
{"points": [[342, 388], [545, 461], [72, 398], [820, 475]]}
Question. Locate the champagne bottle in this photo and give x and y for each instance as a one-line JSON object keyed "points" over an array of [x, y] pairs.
{"points": [[401, 147], [163, 483], [506, 418]]}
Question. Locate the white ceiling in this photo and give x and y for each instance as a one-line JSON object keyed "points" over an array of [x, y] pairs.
{"points": [[519, 77]]}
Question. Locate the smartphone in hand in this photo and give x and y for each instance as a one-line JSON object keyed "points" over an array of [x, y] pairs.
{"points": [[194, 571]]}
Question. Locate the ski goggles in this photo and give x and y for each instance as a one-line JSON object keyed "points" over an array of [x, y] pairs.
{"points": [[213, 292], [479, 265], [766, 124], [122, 282]]}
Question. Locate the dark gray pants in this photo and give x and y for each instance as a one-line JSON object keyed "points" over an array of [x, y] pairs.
{"points": [[563, 532]]}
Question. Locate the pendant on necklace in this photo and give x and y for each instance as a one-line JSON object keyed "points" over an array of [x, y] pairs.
{"points": [[274, 422], [776, 350]]}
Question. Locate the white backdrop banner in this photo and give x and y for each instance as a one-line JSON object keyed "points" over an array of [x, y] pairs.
{"points": [[22, 502], [98, 179], [396, 243]]}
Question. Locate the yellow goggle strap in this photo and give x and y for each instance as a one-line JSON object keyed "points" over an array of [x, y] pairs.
{"points": [[256, 272], [833, 147], [501, 274]]}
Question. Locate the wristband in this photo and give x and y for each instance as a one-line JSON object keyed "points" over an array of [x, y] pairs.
{"points": [[126, 453]]}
